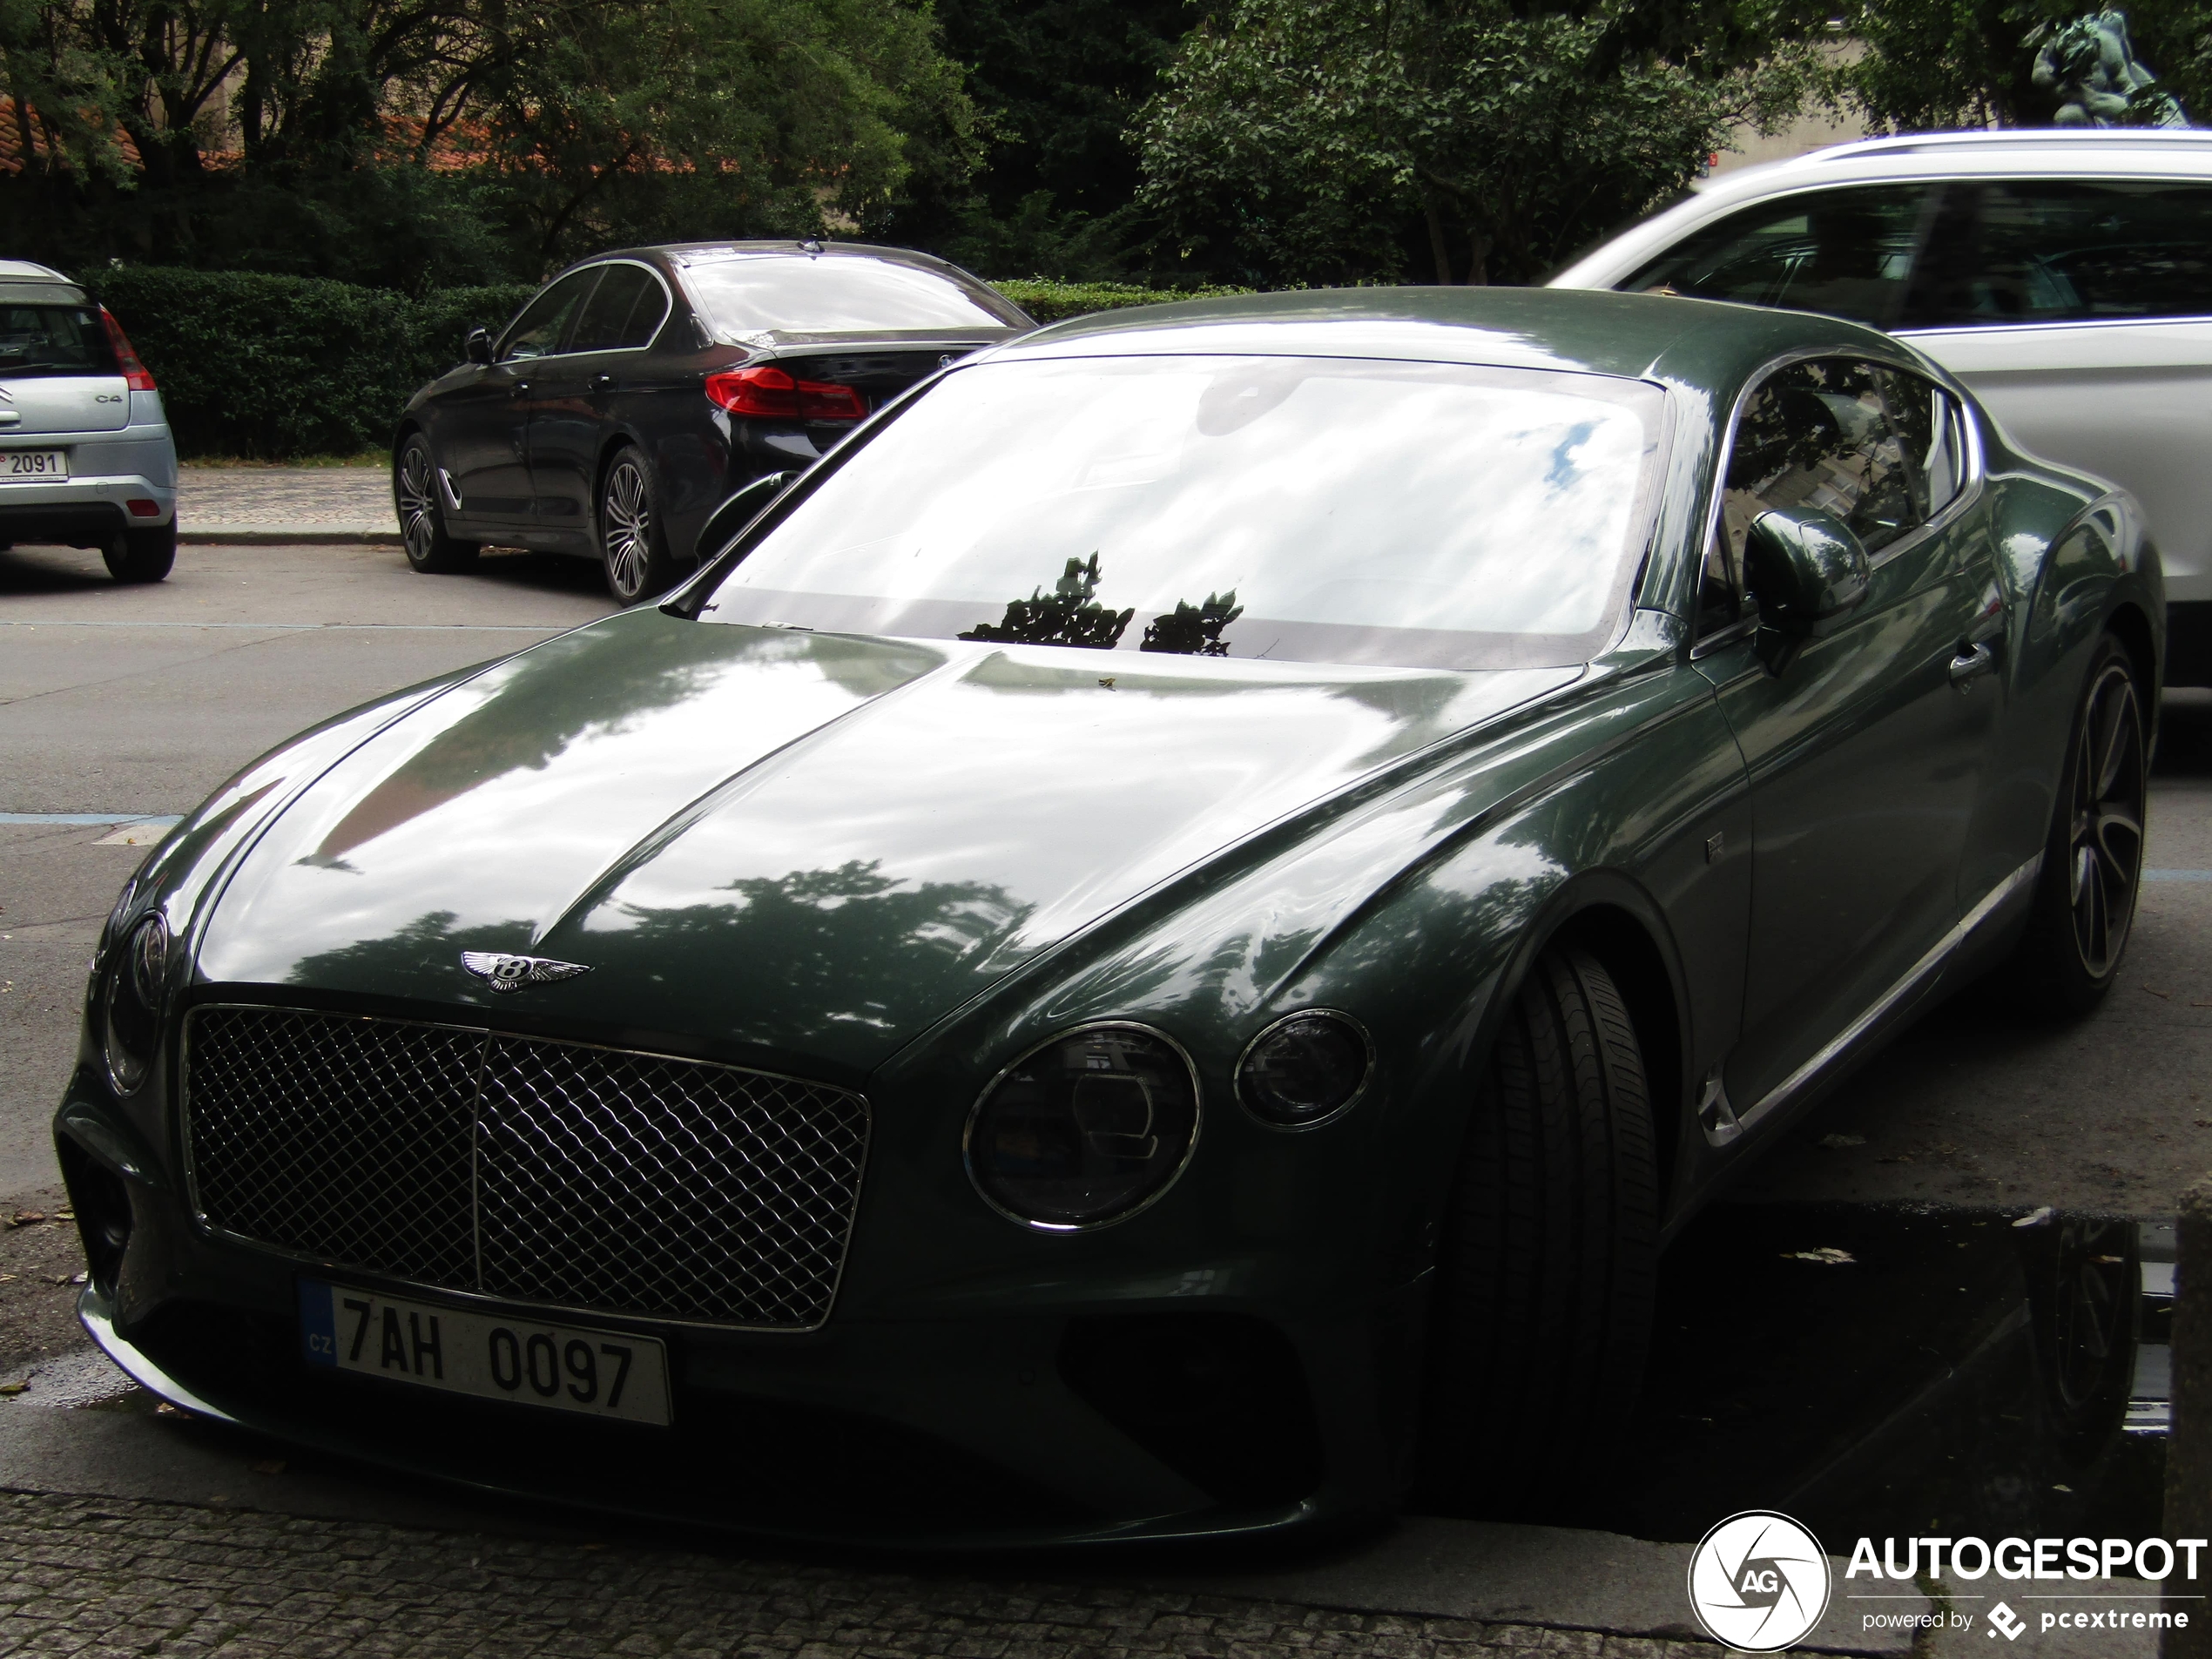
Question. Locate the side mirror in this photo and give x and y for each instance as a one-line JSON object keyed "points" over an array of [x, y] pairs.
{"points": [[1807, 569], [724, 522], [478, 345]]}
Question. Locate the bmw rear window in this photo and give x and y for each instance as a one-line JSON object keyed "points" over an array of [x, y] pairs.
{"points": [[53, 340], [746, 293]]}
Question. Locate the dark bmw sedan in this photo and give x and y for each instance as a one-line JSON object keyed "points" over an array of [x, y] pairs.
{"points": [[637, 391]]}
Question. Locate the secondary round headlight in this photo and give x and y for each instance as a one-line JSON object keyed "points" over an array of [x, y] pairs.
{"points": [[1086, 1130], [1305, 1070], [133, 1004]]}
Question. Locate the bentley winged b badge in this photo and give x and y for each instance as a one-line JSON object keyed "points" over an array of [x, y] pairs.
{"points": [[505, 973]]}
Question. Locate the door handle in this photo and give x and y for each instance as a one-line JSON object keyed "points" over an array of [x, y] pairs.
{"points": [[603, 380], [522, 388], [1971, 663]]}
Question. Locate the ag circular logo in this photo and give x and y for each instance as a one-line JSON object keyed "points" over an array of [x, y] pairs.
{"points": [[1758, 1581]]}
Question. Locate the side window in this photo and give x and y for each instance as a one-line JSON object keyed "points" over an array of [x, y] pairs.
{"points": [[2063, 250], [1848, 253], [1930, 424], [1817, 436], [539, 330], [624, 312]]}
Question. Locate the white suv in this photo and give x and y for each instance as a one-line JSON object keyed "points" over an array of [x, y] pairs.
{"points": [[2064, 275], [85, 455]]}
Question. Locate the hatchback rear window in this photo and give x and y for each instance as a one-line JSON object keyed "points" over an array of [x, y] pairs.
{"points": [[796, 294], [53, 340]]}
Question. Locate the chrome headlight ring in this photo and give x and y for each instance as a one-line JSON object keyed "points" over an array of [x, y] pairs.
{"points": [[1305, 1069]]}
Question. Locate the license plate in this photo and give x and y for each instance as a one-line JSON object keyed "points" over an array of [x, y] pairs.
{"points": [[34, 464], [487, 1355]]}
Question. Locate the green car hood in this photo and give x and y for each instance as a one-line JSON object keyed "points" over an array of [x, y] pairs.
{"points": [[813, 845]]}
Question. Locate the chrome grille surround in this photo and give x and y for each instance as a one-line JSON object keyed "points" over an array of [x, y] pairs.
{"points": [[526, 1168]]}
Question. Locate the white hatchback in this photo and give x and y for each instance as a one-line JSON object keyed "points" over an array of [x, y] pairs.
{"points": [[2066, 275], [86, 459]]}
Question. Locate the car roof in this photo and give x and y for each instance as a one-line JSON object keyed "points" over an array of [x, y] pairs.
{"points": [[27, 283], [1709, 344], [2019, 152]]}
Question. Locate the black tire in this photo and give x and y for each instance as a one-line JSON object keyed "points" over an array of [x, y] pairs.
{"points": [[633, 542], [1542, 1310], [2084, 908], [142, 555], [423, 520]]}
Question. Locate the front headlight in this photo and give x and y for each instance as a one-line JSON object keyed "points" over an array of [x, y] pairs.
{"points": [[131, 1007], [1085, 1129]]}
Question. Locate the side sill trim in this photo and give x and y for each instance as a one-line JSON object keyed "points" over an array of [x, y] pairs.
{"points": [[1915, 977], [94, 1314]]}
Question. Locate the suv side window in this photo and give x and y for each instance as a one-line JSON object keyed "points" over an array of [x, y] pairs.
{"points": [[538, 331], [2065, 250], [624, 312], [1846, 252], [1817, 435]]}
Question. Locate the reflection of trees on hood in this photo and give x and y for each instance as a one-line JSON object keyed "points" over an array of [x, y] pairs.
{"points": [[594, 685], [428, 942], [829, 949]]}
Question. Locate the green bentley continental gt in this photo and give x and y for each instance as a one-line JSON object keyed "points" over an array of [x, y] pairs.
{"points": [[1156, 946]]}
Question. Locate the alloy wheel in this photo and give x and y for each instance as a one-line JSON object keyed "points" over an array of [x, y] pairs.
{"points": [[418, 508], [2105, 845], [625, 529]]}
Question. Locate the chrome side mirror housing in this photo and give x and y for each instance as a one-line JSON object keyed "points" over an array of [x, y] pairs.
{"points": [[478, 346]]}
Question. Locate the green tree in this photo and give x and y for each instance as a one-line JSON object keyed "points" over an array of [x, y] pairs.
{"points": [[1354, 140]]}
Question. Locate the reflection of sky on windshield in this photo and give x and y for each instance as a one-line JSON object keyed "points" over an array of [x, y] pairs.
{"points": [[1364, 493]]}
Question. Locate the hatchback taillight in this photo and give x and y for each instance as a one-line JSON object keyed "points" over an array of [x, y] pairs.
{"points": [[771, 391], [136, 375]]}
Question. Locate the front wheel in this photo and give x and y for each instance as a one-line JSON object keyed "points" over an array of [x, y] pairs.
{"points": [[2084, 907], [142, 555], [631, 539], [1542, 1309], [423, 521]]}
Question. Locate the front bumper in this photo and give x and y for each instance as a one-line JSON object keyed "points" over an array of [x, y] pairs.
{"points": [[979, 1431]]}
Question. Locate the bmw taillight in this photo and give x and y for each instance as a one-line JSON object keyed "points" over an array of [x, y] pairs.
{"points": [[136, 375], [767, 390]]}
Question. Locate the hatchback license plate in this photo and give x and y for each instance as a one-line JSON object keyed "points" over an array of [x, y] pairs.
{"points": [[489, 1356], [34, 465]]}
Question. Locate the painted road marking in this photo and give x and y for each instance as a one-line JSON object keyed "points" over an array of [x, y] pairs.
{"points": [[134, 820], [2177, 875], [329, 627]]}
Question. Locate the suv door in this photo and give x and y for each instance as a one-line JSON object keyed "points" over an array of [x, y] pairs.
{"points": [[1867, 753], [2079, 311], [573, 396], [482, 435]]}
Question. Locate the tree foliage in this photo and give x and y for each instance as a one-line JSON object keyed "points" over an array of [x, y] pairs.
{"points": [[467, 137], [1330, 141]]}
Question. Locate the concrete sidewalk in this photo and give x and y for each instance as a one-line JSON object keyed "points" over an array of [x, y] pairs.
{"points": [[290, 505]]}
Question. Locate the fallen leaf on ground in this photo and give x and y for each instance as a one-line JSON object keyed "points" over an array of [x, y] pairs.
{"points": [[163, 1408], [58, 1279], [2036, 1217], [26, 1217], [7, 1278], [268, 1466], [1827, 1256], [13, 1387], [79, 1278], [2146, 987], [65, 1215], [1837, 1142]]}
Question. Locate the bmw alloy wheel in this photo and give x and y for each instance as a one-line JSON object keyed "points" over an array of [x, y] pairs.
{"points": [[2105, 845], [626, 528], [418, 508]]}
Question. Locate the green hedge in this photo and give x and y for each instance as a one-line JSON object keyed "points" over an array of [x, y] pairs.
{"points": [[275, 367], [1056, 301], [272, 366]]}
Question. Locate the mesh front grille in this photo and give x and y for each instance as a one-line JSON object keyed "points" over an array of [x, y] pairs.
{"points": [[543, 1172]]}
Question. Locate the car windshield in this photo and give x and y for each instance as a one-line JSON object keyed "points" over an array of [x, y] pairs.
{"points": [[1312, 509], [53, 340], [795, 293]]}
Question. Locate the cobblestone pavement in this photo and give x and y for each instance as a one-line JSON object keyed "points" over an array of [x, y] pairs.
{"points": [[100, 1577], [306, 497]]}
